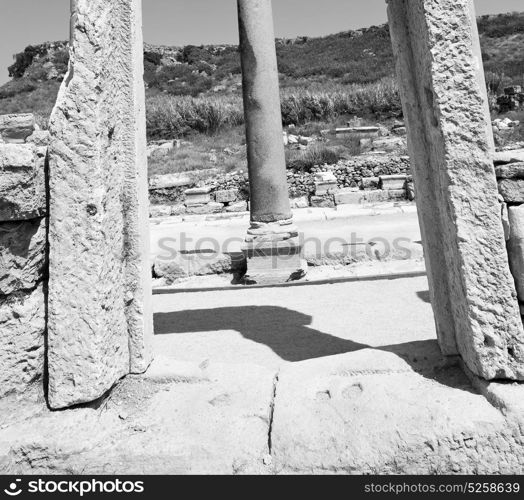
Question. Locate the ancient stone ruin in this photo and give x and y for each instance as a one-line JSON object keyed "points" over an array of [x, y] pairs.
{"points": [[75, 276]]}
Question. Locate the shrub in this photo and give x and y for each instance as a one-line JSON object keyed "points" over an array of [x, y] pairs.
{"points": [[313, 156]]}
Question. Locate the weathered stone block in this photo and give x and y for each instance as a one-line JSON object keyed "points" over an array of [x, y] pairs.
{"points": [[451, 146], [22, 327], [397, 194], [40, 138], [323, 201], [22, 186], [369, 183], [22, 255], [197, 196], [504, 157], [349, 197], [238, 206], [226, 195], [100, 315], [16, 128], [301, 202], [512, 190], [510, 171], [516, 247], [393, 182], [169, 181], [376, 196], [157, 211]]}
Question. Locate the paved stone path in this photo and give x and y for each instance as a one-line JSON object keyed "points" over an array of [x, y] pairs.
{"points": [[342, 378]]}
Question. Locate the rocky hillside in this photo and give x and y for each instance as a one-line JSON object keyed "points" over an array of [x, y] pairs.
{"points": [[359, 56]]}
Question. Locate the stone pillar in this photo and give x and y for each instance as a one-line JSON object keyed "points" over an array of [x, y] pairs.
{"points": [[272, 248], [100, 318], [444, 99]]}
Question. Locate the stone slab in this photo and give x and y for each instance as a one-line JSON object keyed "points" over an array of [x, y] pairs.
{"points": [[100, 319], [22, 327], [504, 157], [22, 255], [394, 182], [322, 201], [221, 426], [349, 197], [22, 186], [510, 171], [516, 247], [226, 195], [374, 412], [16, 128]]}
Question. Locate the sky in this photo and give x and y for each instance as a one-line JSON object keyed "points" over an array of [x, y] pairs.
{"points": [[182, 22]]}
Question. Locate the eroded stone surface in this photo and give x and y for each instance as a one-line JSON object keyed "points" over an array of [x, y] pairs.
{"points": [[472, 290], [22, 326], [516, 247], [16, 128], [22, 255], [371, 412], [217, 423], [100, 320], [22, 190]]}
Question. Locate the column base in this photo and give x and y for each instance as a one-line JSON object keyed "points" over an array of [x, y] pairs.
{"points": [[273, 254]]}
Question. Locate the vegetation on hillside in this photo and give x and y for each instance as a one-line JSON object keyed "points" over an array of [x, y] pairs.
{"points": [[197, 89]]}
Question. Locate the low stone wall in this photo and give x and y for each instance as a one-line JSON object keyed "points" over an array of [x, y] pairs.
{"points": [[22, 252], [509, 167], [363, 179]]}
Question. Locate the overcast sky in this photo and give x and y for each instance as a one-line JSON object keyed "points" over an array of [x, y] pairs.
{"points": [[181, 22]]}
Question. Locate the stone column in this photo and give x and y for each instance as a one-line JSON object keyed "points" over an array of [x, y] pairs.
{"points": [[444, 99], [272, 248], [100, 318]]}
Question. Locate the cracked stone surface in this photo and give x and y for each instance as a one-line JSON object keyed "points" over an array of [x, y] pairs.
{"points": [[323, 396], [100, 323]]}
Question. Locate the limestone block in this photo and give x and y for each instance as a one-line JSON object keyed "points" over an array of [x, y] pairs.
{"points": [[16, 128], [156, 211], [198, 196], [22, 186], [504, 157], [169, 181], [100, 316], [393, 181], [369, 183], [444, 99], [40, 138], [239, 206], [512, 190], [397, 194], [22, 327], [370, 411], [349, 197], [516, 247], [226, 195], [301, 202], [375, 196], [323, 201], [513, 170], [22, 255]]}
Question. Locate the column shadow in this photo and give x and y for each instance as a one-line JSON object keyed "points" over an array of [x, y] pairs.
{"points": [[289, 335]]}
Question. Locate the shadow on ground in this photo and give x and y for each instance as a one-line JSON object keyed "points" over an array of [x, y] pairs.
{"points": [[289, 335]]}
